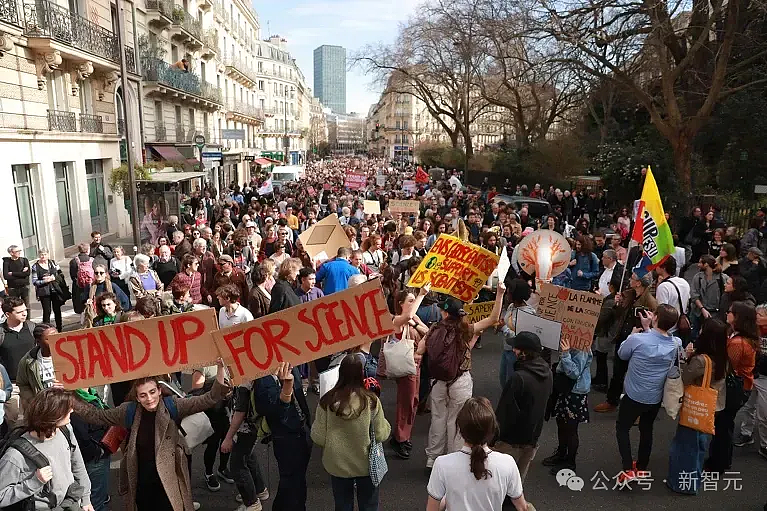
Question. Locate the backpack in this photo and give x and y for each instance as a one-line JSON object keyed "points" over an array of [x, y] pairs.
{"points": [[261, 427], [170, 405], [85, 275], [14, 440], [446, 351]]}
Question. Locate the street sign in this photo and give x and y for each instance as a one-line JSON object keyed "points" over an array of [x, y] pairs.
{"points": [[199, 141], [233, 134], [248, 157], [212, 154]]}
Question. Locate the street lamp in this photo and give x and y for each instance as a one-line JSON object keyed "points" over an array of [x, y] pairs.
{"points": [[464, 51]]}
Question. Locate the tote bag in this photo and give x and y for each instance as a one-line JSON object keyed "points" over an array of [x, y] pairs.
{"points": [[399, 358], [699, 404], [673, 389], [376, 458]]}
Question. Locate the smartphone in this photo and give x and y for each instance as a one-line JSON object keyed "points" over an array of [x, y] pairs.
{"points": [[640, 311]]}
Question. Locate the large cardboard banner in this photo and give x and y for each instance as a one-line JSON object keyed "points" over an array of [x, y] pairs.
{"points": [[404, 206], [578, 312], [126, 351], [305, 332], [478, 311], [326, 236], [455, 267], [355, 181]]}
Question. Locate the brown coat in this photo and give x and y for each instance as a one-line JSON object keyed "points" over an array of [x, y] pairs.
{"points": [[170, 447], [238, 279]]}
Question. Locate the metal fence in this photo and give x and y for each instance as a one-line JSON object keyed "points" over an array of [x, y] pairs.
{"points": [[61, 121], [9, 12]]}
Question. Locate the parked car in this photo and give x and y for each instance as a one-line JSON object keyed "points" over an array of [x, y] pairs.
{"points": [[537, 208]]}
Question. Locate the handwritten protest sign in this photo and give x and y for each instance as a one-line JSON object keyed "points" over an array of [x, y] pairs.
{"points": [[125, 351], [578, 312], [478, 311], [326, 236], [404, 206], [372, 207], [409, 185], [380, 180], [355, 181], [455, 267], [312, 191], [305, 332]]}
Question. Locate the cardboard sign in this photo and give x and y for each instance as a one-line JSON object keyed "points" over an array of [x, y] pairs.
{"points": [[372, 207], [327, 236], [409, 185], [312, 191], [355, 181], [126, 351], [478, 311], [455, 267], [380, 180], [578, 312], [305, 332], [404, 206], [548, 331]]}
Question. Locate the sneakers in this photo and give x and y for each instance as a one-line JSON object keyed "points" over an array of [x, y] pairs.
{"points": [[254, 507], [626, 477], [399, 449], [408, 445], [223, 474], [605, 407], [478, 344], [212, 482], [556, 459], [564, 465], [264, 495], [196, 505], [743, 441]]}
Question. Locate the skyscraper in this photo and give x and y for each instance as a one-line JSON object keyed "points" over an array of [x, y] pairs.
{"points": [[330, 77]]}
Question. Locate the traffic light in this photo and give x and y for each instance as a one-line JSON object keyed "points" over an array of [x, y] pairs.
{"points": [[378, 126]]}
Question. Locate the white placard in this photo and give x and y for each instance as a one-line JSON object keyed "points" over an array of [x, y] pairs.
{"points": [[548, 331], [328, 379], [503, 266]]}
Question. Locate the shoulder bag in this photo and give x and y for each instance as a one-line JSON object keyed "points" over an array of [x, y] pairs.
{"points": [[376, 458], [398, 355], [699, 404], [683, 328], [673, 388]]}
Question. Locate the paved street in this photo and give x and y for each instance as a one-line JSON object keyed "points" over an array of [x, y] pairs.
{"points": [[405, 485]]}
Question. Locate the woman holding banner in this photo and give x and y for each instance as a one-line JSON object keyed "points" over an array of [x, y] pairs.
{"points": [[154, 472]]}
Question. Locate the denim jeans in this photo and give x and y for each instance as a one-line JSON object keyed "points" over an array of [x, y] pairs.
{"points": [[343, 493], [508, 359], [98, 473], [685, 460], [245, 469]]}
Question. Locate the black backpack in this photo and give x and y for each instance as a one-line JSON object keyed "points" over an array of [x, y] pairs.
{"points": [[14, 440]]}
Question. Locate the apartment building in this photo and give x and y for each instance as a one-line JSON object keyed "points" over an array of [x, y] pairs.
{"points": [[61, 122]]}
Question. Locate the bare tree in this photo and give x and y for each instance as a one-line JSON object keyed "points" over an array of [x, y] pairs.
{"points": [[435, 59], [677, 64]]}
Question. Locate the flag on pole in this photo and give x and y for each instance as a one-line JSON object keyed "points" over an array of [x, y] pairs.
{"points": [[651, 230], [266, 188], [421, 176]]}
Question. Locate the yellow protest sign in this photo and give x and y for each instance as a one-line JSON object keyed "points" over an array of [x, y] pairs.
{"points": [[478, 311], [455, 267]]}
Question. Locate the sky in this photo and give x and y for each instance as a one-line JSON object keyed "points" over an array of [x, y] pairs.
{"points": [[348, 23]]}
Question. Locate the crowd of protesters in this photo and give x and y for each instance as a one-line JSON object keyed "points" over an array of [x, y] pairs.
{"points": [[240, 252]]}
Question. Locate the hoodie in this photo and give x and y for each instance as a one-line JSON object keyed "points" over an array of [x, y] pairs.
{"points": [[523, 402], [345, 438]]}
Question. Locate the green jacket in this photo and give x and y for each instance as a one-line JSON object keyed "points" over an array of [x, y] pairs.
{"points": [[345, 440], [28, 376]]}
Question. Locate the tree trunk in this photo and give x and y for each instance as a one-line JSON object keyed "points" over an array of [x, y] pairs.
{"points": [[454, 138], [682, 149]]}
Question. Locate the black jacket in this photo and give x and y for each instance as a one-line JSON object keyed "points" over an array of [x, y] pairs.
{"points": [[283, 296], [523, 402], [14, 274]]}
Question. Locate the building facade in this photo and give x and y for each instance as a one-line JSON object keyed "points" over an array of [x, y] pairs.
{"points": [[61, 124], [330, 77], [346, 133]]}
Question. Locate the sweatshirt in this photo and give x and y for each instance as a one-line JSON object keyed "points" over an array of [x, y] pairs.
{"points": [[18, 480], [523, 402], [345, 439]]}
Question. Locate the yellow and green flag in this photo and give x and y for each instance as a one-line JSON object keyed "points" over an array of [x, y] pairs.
{"points": [[651, 230]]}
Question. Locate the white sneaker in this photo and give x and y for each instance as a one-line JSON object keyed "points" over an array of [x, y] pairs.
{"points": [[264, 495], [254, 507], [196, 505]]}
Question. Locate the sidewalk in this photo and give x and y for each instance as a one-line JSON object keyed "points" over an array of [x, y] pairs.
{"points": [[70, 320]]}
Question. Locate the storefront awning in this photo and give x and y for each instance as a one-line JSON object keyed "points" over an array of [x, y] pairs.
{"points": [[263, 161], [168, 153], [173, 177]]}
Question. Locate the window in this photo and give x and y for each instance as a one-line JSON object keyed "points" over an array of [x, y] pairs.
{"points": [[24, 203], [397, 124], [173, 53], [260, 67], [205, 122], [158, 120], [275, 89], [261, 101], [260, 84], [404, 125], [192, 123], [179, 121]]}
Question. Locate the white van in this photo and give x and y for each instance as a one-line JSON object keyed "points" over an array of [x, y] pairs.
{"points": [[286, 174]]}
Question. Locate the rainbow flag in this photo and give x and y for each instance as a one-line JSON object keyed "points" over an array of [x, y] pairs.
{"points": [[651, 229]]}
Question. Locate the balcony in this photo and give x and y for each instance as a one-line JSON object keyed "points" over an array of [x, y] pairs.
{"points": [[61, 121], [91, 123], [221, 14], [206, 5], [239, 71], [159, 13], [50, 27], [9, 12], [160, 135], [186, 28], [272, 112], [243, 112], [166, 80], [210, 44]]}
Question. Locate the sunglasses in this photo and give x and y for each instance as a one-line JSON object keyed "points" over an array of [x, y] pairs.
{"points": [[99, 273]]}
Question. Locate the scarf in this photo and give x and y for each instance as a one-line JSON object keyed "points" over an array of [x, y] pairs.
{"points": [[91, 397]]}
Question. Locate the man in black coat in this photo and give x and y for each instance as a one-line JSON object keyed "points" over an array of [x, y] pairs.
{"points": [[16, 271], [523, 402]]}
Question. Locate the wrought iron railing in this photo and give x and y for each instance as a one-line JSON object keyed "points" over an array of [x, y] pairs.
{"points": [[9, 12], [130, 59], [47, 19], [164, 6], [61, 121], [210, 39], [157, 70], [240, 66], [243, 108], [211, 92], [188, 22], [160, 134], [91, 123], [121, 127]]}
